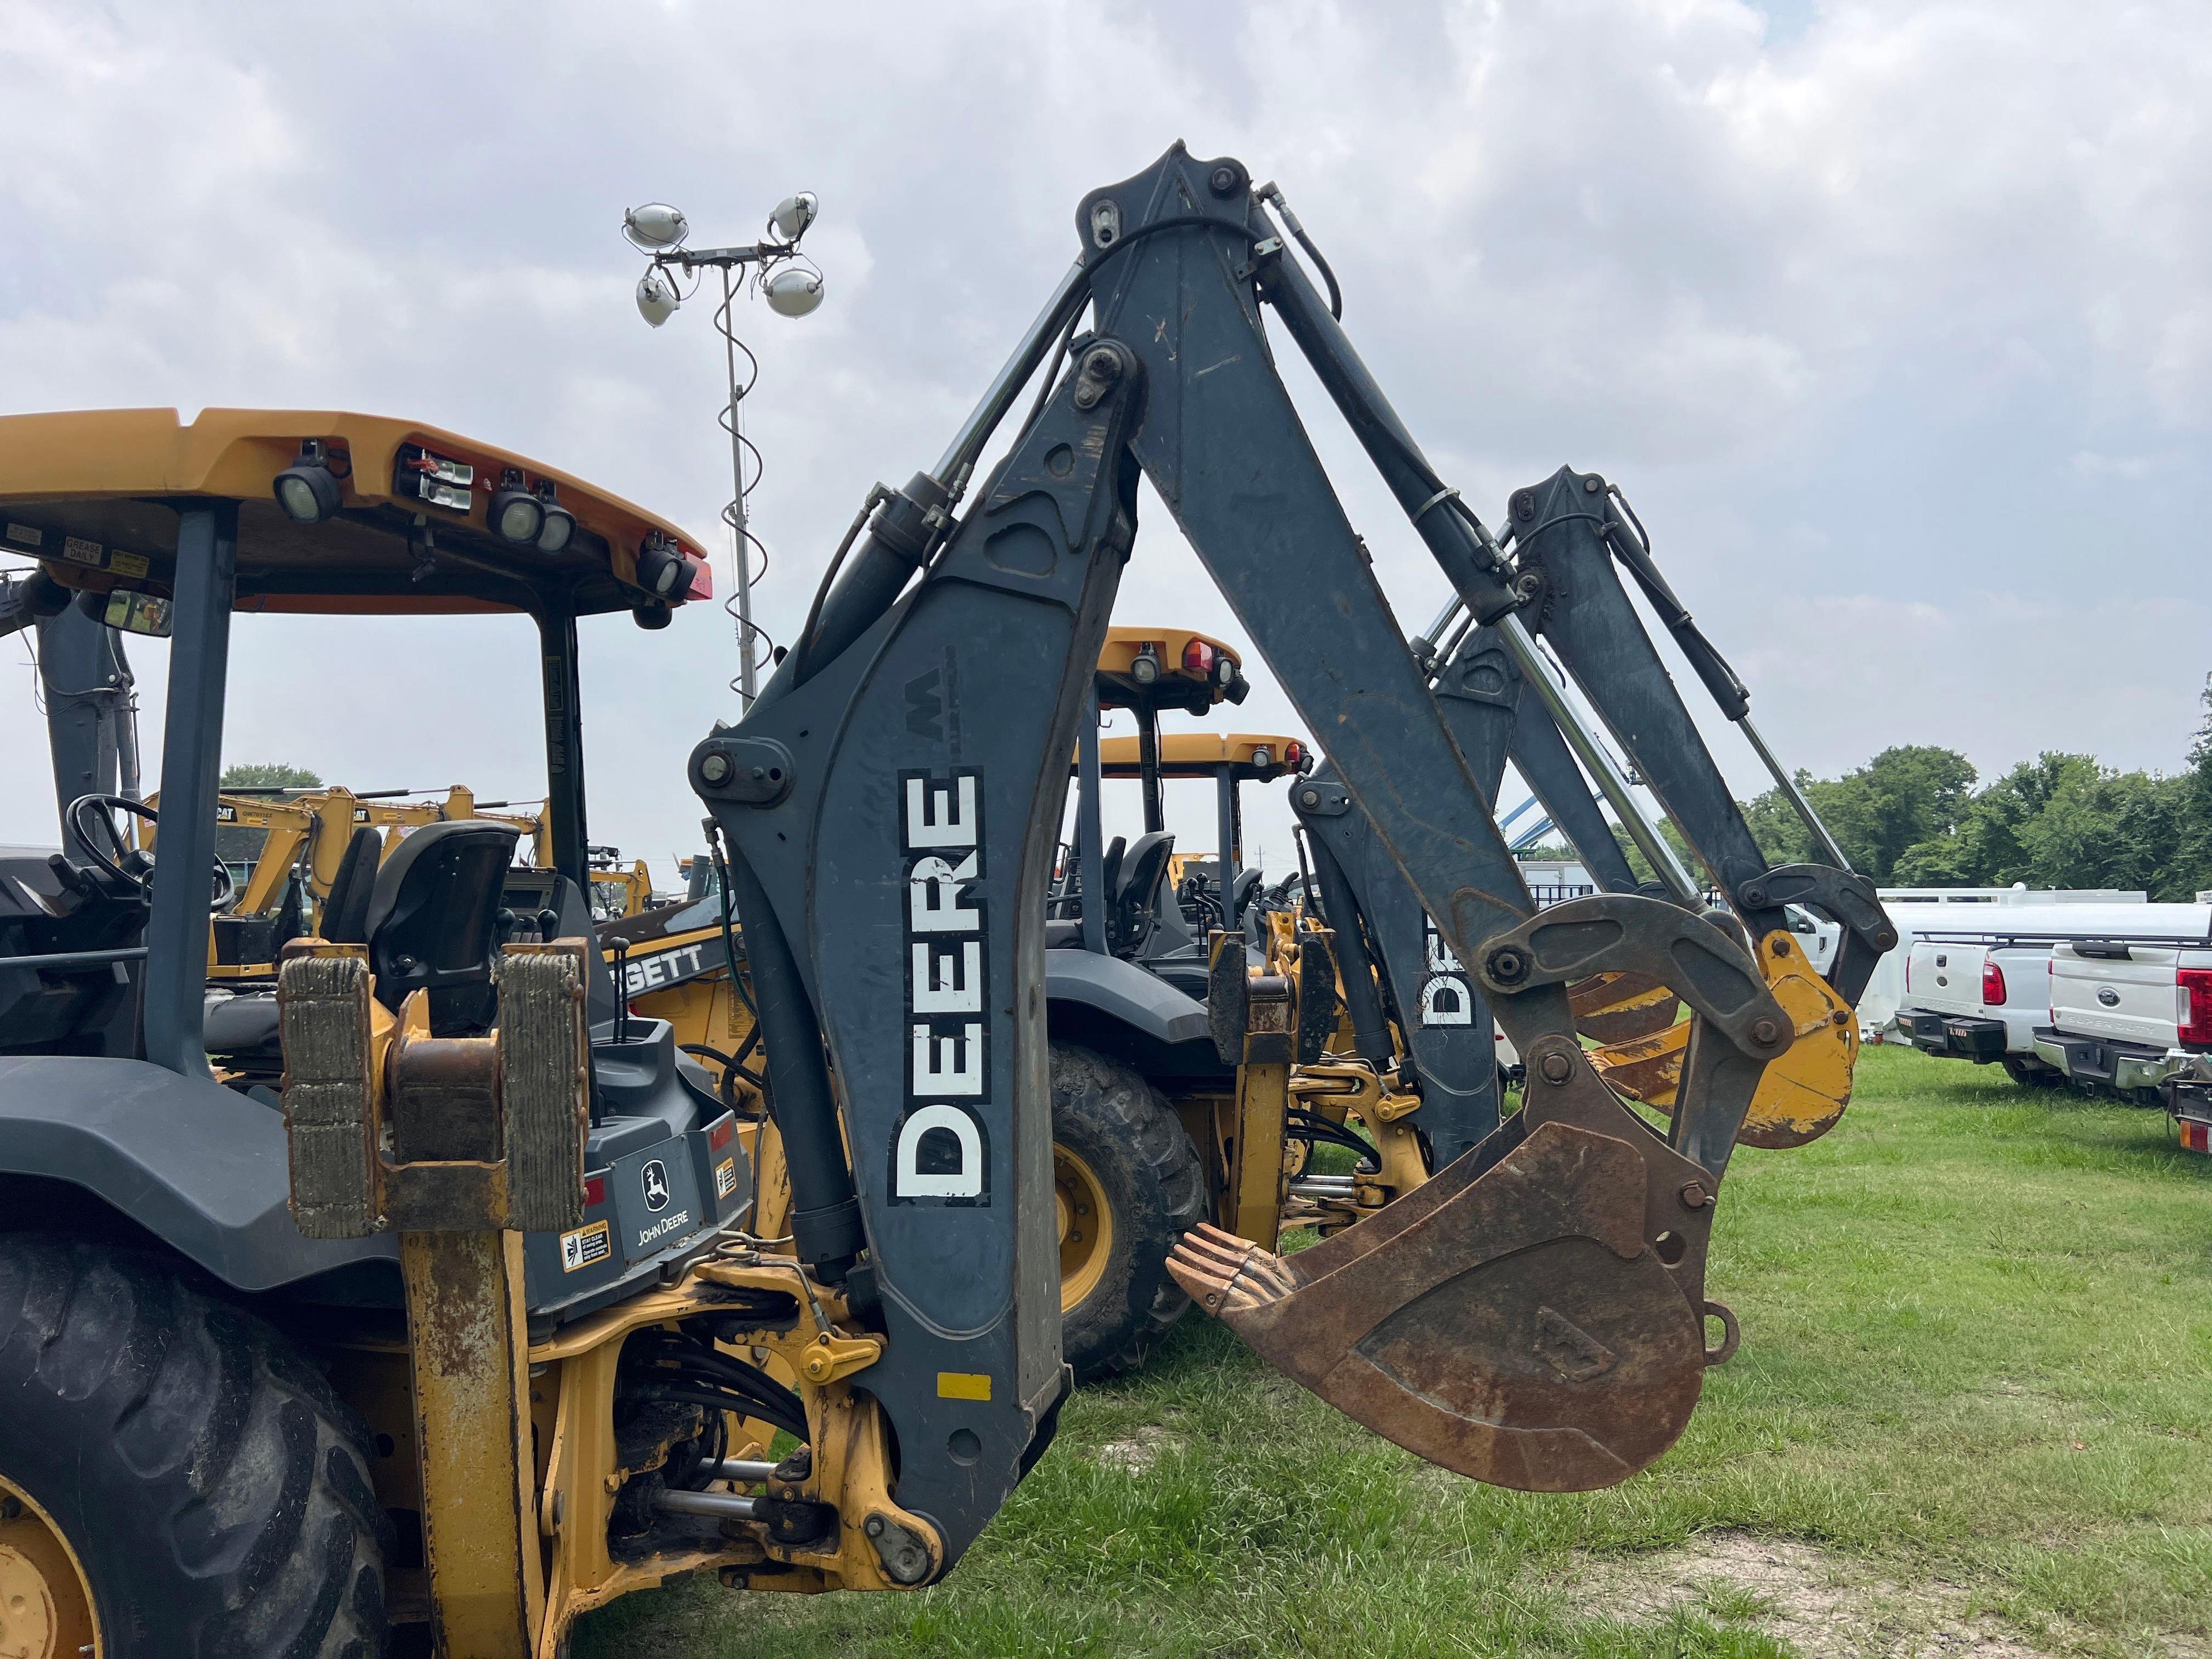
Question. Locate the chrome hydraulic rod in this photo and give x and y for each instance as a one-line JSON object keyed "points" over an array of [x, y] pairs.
{"points": [[745, 1468], [1787, 786], [1436, 643], [720, 1505], [1597, 760]]}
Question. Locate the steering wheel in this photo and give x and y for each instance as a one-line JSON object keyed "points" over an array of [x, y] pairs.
{"points": [[127, 864]]}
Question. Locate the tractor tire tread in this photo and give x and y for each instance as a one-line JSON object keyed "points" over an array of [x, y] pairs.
{"points": [[215, 1486], [1095, 1096]]}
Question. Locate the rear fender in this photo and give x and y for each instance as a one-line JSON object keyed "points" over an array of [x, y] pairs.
{"points": [[199, 1167]]}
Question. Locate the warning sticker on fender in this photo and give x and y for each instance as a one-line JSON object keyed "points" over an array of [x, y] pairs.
{"points": [[726, 1178], [586, 1247]]}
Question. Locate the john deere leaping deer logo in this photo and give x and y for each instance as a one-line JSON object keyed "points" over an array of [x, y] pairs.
{"points": [[654, 1178]]}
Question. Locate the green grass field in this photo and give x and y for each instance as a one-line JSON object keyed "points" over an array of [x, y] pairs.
{"points": [[1970, 1416]]}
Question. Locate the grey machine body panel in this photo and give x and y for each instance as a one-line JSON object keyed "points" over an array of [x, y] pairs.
{"points": [[1117, 1007], [201, 1167]]}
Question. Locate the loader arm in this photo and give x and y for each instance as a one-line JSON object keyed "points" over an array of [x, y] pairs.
{"points": [[1534, 1314]]}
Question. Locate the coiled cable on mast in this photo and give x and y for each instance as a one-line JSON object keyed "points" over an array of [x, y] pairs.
{"points": [[753, 642]]}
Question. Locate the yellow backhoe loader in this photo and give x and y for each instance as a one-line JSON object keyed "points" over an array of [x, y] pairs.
{"points": [[457, 1301]]}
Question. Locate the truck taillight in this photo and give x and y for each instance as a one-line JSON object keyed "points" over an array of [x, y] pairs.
{"points": [[1197, 658], [2197, 1006], [1993, 985]]}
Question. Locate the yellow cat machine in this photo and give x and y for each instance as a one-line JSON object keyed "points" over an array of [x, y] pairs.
{"points": [[463, 1313]]}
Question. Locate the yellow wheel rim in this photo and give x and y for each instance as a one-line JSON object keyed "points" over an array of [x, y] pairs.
{"points": [[1086, 1228], [45, 1599]]}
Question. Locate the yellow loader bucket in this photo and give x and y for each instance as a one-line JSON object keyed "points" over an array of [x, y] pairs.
{"points": [[1621, 1007], [1802, 1093]]}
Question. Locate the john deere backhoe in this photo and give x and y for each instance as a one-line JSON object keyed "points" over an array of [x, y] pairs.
{"points": [[470, 1318]]}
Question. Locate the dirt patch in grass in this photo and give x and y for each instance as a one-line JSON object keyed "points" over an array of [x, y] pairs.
{"points": [[1137, 1452], [1824, 1606]]}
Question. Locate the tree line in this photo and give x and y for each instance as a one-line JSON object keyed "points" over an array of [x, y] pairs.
{"points": [[1919, 815]]}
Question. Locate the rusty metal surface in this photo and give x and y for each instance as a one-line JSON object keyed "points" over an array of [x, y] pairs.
{"points": [[545, 1073], [1619, 1007], [324, 1009], [444, 1101], [469, 1350], [1519, 1329]]}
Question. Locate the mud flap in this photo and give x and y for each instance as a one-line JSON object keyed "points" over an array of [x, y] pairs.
{"points": [[1509, 1321]]}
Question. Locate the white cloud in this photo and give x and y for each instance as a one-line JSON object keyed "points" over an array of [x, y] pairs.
{"points": [[1897, 326]]}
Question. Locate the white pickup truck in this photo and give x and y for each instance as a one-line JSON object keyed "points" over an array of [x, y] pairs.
{"points": [[2133, 1015], [1979, 996], [1977, 987]]}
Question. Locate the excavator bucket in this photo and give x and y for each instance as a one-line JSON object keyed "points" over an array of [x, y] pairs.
{"points": [[1621, 1007], [1507, 1320], [1802, 1095]]}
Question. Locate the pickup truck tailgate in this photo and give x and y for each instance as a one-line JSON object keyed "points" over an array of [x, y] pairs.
{"points": [[2135, 998], [1946, 978]]}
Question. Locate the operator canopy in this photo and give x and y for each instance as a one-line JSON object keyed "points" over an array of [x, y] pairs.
{"points": [[338, 512], [1255, 756]]}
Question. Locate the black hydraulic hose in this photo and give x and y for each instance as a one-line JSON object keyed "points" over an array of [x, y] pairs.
{"points": [[783, 1416], [1370, 1032], [1311, 1128], [729, 936], [825, 1215]]}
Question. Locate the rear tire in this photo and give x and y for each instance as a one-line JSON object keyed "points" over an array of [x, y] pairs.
{"points": [[2033, 1074], [213, 1489], [1114, 1136]]}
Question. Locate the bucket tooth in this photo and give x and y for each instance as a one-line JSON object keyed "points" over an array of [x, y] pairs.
{"points": [[1519, 1330]]}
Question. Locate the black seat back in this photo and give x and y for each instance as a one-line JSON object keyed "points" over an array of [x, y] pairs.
{"points": [[345, 912], [433, 922], [1136, 889], [1246, 882], [1109, 870]]}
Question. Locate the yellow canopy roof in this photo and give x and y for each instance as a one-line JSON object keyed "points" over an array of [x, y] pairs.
{"points": [[1175, 685], [1253, 755], [95, 495]]}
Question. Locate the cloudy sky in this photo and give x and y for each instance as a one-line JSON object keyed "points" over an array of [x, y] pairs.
{"points": [[1894, 319]]}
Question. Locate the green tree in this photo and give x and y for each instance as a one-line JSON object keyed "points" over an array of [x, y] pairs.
{"points": [[2195, 858], [2103, 828], [1985, 849], [1904, 796], [270, 774]]}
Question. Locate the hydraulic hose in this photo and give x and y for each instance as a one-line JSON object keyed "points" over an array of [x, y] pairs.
{"points": [[825, 1215]]}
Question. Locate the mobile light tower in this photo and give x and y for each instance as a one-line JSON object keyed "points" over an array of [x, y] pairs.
{"points": [[791, 285]]}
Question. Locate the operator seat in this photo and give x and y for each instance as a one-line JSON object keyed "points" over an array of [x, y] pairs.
{"points": [[433, 922], [1135, 892], [345, 912], [241, 1032]]}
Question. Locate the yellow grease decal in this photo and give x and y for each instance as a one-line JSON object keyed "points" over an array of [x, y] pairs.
{"points": [[963, 1385]]}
